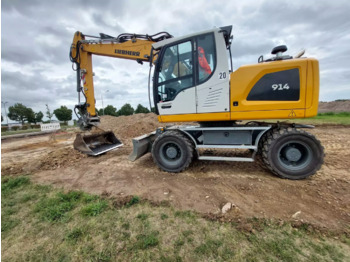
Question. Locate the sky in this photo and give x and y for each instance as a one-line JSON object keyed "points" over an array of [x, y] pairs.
{"points": [[36, 36]]}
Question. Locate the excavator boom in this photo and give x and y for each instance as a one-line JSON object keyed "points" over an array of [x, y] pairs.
{"points": [[126, 46]]}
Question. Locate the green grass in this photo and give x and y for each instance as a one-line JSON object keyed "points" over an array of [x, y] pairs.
{"points": [[7, 133], [332, 118], [40, 223], [17, 132]]}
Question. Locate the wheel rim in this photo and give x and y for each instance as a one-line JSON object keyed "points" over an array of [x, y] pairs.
{"points": [[295, 155], [170, 153]]}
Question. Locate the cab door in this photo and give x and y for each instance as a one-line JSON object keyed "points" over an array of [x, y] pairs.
{"points": [[175, 81], [213, 91]]}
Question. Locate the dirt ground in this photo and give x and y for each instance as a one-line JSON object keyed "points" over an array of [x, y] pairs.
{"points": [[322, 200]]}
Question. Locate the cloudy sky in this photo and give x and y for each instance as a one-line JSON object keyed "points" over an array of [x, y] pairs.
{"points": [[36, 36]]}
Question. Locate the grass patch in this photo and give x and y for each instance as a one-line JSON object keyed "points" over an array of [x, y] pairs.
{"points": [[94, 209], [74, 235], [7, 133], [147, 240], [342, 118], [55, 208], [9, 184], [134, 200], [8, 224], [51, 225], [142, 216], [329, 118]]}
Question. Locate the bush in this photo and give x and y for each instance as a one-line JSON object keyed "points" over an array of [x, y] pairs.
{"points": [[24, 127], [4, 129], [14, 128]]}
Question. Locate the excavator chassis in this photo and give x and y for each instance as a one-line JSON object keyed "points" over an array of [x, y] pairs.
{"points": [[283, 148]]}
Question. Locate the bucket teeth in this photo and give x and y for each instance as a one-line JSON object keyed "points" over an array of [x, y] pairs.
{"points": [[96, 144]]}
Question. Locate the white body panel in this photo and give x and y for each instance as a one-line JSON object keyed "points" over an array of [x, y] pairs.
{"points": [[184, 103], [212, 95]]}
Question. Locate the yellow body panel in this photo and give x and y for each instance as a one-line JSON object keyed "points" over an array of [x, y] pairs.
{"points": [[133, 50], [195, 117], [313, 90], [243, 80]]}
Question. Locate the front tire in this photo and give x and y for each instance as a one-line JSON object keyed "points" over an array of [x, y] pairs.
{"points": [[172, 151], [291, 153]]}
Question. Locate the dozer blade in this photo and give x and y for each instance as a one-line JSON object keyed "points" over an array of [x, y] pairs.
{"points": [[96, 144], [142, 145]]}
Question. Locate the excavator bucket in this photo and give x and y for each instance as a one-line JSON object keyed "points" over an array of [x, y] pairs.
{"points": [[96, 144], [142, 145]]}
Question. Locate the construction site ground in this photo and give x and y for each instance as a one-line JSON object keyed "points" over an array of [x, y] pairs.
{"points": [[322, 200]]}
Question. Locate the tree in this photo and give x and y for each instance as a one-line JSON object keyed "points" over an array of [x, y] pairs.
{"points": [[110, 110], [2, 119], [31, 116], [126, 110], [38, 117], [63, 113], [141, 109], [20, 113], [48, 112]]}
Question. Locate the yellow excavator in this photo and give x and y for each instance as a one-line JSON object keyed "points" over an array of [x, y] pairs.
{"points": [[193, 81]]}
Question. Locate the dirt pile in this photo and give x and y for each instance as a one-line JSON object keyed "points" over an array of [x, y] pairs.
{"points": [[128, 127], [62, 157], [334, 106]]}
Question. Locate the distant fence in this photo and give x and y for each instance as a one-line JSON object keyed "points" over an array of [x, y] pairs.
{"points": [[49, 127]]}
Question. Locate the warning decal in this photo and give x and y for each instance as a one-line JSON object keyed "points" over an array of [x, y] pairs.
{"points": [[292, 114]]}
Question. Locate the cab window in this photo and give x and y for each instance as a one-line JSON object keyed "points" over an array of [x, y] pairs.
{"points": [[206, 57], [176, 71]]}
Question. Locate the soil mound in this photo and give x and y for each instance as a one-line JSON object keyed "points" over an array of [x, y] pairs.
{"points": [[334, 106], [127, 127]]}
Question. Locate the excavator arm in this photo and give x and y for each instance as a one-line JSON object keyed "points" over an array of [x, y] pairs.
{"points": [[126, 46]]}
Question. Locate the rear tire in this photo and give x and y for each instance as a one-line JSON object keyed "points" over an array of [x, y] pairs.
{"points": [[172, 151], [291, 153]]}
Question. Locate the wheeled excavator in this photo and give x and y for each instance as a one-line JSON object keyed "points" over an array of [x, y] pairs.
{"points": [[193, 81]]}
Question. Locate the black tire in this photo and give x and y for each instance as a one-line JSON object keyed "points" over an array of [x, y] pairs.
{"points": [[291, 153], [172, 151]]}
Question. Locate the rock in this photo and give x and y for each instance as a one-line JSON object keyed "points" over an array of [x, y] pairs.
{"points": [[226, 207], [296, 214]]}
